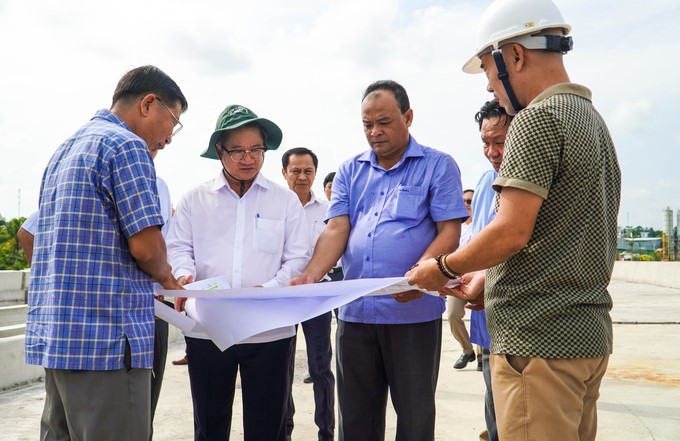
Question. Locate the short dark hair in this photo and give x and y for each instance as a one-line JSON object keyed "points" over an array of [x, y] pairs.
{"points": [[469, 189], [285, 159], [329, 178], [392, 86], [144, 80], [492, 109]]}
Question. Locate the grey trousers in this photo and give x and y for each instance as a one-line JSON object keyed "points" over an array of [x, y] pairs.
{"points": [[96, 405]]}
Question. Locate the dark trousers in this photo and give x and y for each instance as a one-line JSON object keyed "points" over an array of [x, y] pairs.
{"points": [[372, 359], [319, 353], [265, 386], [336, 274], [160, 356], [489, 409]]}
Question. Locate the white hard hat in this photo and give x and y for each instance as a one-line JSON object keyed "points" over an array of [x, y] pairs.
{"points": [[515, 21]]}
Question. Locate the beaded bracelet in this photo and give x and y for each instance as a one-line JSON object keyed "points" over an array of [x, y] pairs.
{"points": [[443, 267], [448, 268]]}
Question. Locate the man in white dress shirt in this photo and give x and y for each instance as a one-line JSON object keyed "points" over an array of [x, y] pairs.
{"points": [[242, 226], [299, 170]]}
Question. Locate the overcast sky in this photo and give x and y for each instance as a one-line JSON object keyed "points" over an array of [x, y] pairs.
{"points": [[304, 65]]}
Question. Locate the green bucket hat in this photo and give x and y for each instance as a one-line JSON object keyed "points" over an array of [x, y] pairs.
{"points": [[236, 116]]}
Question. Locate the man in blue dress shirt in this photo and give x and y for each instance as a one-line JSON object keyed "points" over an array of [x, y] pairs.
{"points": [[392, 206]]}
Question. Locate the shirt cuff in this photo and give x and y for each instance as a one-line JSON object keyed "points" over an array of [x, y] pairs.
{"points": [[183, 273], [273, 283]]}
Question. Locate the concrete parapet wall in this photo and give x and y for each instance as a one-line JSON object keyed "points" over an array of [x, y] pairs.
{"points": [[13, 314], [13, 287], [652, 273], [14, 369], [11, 280], [12, 330]]}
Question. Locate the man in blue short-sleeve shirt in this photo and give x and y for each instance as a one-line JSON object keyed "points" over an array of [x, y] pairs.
{"points": [[392, 206], [98, 247]]}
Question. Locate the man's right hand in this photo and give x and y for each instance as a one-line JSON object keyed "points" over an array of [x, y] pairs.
{"points": [[181, 301], [302, 279]]}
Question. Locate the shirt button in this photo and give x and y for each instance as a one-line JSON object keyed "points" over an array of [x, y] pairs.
{"points": [[382, 193], [369, 234], [368, 258], [376, 213]]}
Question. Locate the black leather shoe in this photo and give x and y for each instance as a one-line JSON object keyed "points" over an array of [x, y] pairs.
{"points": [[464, 360], [307, 379]]}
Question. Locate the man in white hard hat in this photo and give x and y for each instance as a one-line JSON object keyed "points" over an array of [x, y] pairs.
{"points": [[551, 246]]}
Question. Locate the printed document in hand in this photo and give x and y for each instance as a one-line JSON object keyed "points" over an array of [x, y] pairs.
{"points": [[179, 320], [229, 316]]}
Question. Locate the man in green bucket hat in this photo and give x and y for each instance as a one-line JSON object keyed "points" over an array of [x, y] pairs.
{"points": [[234, 117], [243, 226]]}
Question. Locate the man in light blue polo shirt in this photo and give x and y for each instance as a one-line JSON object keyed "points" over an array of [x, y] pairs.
{"points": [[392, 206]]}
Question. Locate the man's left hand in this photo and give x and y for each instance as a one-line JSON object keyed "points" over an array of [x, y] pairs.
{"points": [[407, 296]]}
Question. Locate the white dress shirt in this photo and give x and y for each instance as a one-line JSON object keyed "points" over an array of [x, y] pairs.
{"points": [[465, 234], [166, 204], [259, 239], [315, 210]]}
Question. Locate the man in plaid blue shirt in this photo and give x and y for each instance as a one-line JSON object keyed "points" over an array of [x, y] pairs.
{"points": [[98, 247]]}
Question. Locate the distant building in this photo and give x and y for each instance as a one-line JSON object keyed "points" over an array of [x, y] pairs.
{"points": [[639, 243]]}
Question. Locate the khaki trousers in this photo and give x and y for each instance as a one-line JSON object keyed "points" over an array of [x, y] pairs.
{"points": [[546, 398], [455, 312]]}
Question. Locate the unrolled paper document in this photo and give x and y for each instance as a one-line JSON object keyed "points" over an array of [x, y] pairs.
{"points": [[229, 316]]}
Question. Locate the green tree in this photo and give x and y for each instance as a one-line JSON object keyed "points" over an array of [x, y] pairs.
{"points": [[11, 255], [654, 233]]}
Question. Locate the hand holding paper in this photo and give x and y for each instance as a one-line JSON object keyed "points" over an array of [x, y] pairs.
{"points": [[180, 301]]}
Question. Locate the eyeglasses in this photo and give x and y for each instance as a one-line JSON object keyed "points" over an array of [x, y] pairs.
{"points": [[468, 201], [255, 152], [178, 125]]}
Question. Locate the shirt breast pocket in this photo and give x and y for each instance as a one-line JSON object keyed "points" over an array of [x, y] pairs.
{"points": [[317, 228], [409, 199], [268, 236]]}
